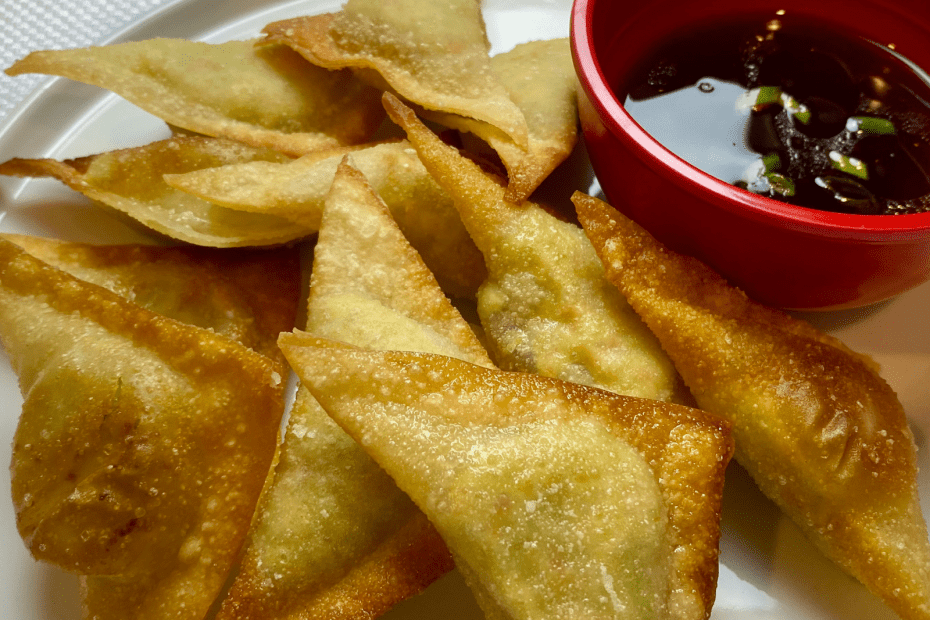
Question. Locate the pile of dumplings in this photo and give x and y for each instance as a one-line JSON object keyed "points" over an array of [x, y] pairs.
{"points": [[564, 447]]}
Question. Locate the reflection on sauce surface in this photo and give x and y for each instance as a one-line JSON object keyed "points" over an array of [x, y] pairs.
{"points": [[788, 108]]}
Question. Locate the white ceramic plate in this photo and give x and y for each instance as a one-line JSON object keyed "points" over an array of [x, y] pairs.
{"points": [[768, 570]]}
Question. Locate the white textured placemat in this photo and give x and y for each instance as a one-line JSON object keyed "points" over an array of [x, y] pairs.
{"points": [[28, 25]]}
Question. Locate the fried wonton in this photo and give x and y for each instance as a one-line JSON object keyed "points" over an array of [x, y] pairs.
{"points": [[142, 446], [819, 430], [540, 78], [431, 52], [249, 296], [333, 536], [295, 190], [546, 306], [557, 500], [130, 181], [266, 96], [363, 260]]}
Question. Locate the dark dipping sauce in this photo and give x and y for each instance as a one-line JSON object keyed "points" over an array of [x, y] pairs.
{"points": [[848, 119]]}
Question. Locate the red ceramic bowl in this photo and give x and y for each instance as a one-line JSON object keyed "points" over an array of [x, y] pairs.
{"points": [[780, 254]]}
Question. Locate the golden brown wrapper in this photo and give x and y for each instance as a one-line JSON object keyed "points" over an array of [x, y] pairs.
{"points": [[494, 459], [268, 97], [333, 536], [363, 254], [295, 190], [546, 306], [143, 443], [821, 433], [431, 52], [249, 296], [540, 78], [131, 182]]}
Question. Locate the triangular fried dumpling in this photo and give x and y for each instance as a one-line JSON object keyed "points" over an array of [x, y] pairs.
{"points": [[130, 181], [540, 78], [819, 430], [431, 52], [142, 446], [264, 97], [558, 500], [296, 190], [363, 259], [546, 306], [333, 536], [249, 296]]}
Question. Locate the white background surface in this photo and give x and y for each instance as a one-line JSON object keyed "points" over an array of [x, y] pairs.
{"points": [[768, 570], [27, 25]]}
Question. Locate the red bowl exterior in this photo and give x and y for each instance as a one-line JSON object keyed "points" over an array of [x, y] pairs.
{"points": [[782, 255]]}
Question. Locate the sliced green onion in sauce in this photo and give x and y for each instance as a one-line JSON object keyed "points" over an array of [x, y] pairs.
{"points": [[781, 184], [849, 165], [771, 162], [870, 125], [766, 96], [796, 109]]}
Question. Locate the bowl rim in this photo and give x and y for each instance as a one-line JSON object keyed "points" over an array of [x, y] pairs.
{"points": [[885, 228]]}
